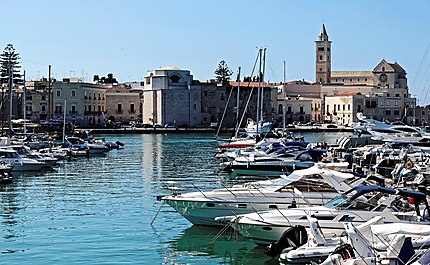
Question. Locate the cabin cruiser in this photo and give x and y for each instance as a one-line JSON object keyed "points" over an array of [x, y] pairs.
{"points": [[279, 162], [358, 205], [76, 143], [20, 163], [25, 151], [317, 184]]}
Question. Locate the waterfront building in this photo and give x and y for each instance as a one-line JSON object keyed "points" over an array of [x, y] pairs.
{"points": [[385, 87], [302, 94], [84, 102], [36, 102], [172, 97], [342, 108], [122, 104]]}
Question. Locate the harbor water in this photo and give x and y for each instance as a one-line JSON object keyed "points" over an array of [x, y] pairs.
{"points": [[99, 210]]}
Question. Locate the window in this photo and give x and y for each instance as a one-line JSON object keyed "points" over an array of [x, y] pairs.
{"points": [[43, 108], [334, 107], [43, 97], [397, 95], [73, 93], [388, 95], [301, 110], [99, 108], [397, 112], [174, 79], [58, 93], [321, 49], [289, 110], [343, 107], [58, 109], [73, 109], [195, 106], [381, 103], [205, 93], [396, 103], [388, 103], [131, 107], [321, 57], [365, 79], [320, 69], [100, 96], [388, 112], [338, 107], [349, 106], [119, 108]]}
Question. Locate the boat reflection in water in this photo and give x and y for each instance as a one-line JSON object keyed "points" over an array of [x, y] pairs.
{"points": [[229, 248]]}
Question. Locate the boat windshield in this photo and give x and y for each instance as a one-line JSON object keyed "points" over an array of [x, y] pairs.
{"points": [[337, 202]]}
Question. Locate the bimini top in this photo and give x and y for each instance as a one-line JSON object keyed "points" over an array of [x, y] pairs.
{"points": [[416, 195]]}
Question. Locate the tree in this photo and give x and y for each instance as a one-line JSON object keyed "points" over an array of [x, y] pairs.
{"points": [[9, 75], [223, 72], [109, 79], [9, 61]]}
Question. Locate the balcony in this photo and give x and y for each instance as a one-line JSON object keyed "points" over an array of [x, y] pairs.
{"points": [[119, 112], [131, 111]]}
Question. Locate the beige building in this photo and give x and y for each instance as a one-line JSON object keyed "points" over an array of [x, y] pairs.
{"points": [[342, 108], [301, 93], [122, 105], [84, 102]]}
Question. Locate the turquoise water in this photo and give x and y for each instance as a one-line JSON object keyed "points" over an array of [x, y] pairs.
{"points": [[99, 210]]}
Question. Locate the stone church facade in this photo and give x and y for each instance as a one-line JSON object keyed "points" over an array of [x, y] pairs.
{"points": [[384, 90]]}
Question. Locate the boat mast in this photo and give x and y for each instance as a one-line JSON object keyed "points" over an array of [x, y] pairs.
{"points": [[283, 105], [25, 105], [64, 121], [10, 95], [49, 93], [258, 91], [262, 86], [237, 104]]}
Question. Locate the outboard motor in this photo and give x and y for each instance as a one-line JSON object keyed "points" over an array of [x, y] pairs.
{"points": [[345, 251], [293, 237]]}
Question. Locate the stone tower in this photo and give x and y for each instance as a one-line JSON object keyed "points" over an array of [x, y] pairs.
{"points": [[323, 58]]}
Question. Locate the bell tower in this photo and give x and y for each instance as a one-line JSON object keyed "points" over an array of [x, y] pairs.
{"points": [[323, 58]]}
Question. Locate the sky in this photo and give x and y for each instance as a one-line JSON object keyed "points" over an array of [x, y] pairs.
{"points": [[82, 38]]}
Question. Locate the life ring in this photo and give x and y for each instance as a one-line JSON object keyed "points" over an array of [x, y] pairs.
{"points": [[409, 165]]}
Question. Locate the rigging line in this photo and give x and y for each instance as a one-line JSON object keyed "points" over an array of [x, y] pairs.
{"points": [[250, 93], [428, 87], [223, 114], [421, 64], [275, 76], [424, 75]]}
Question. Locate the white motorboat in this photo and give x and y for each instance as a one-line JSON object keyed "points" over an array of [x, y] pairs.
{"points": [[26, 152], [20, 163], [392, 243], [318, 185], [372, 236], [93, 148], [367, 202]]}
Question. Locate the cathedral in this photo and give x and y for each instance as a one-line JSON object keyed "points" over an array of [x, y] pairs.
{"points": [[381, 93]]}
